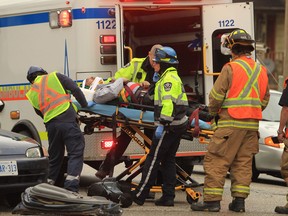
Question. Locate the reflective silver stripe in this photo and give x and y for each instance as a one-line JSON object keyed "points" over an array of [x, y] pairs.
{"points": [[70, 177], [55, 102], [35, 86], [152, 164], [244, 103], [52, 94], [252, 82], [174, 122], [42, 93], [165, 117], [135, 70], [177, 101], [216, 95], [237, 123]]}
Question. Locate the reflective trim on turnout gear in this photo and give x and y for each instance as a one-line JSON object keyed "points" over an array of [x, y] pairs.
{"points": [[244, 98], [240, 189], [213, 191]]}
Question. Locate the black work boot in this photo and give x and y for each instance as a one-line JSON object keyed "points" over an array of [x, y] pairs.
{"points": [[282, 209], [237, 204], [211, 206], [101, 173], [164, 202]]}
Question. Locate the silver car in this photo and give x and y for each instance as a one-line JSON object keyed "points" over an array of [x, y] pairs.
{"points": [[270, 151]]}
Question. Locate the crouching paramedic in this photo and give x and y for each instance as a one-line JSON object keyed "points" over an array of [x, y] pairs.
{"points": [[50, 99], [170, 102], [238, 96]]}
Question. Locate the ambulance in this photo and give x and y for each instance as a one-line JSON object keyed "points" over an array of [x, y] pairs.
{"points": [[96, 38]]}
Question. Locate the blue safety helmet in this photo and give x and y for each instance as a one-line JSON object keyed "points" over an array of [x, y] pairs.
{"points": [[166, 55], [33, 72]]}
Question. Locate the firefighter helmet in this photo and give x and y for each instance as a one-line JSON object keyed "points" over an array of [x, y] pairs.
{"points": [[166, 55], [238, 36]]}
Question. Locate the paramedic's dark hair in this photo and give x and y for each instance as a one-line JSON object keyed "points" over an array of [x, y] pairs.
{"points": [[238, 49]]}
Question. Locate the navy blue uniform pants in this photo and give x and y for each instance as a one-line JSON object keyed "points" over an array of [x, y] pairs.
{"points": [[163, 151], [69, 135]]}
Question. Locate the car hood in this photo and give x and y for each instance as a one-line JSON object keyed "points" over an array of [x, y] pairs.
{"points": [[268, 128], [13, 143]]}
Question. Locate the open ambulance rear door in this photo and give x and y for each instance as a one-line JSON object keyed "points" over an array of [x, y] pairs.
{"points": [[217, 20]]}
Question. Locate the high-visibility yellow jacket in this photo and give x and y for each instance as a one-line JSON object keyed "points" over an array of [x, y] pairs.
{"points": [[48, 95], [170, 99], [132, 71]]}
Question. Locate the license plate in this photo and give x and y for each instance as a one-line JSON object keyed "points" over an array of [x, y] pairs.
{"points": [[8, 168]]}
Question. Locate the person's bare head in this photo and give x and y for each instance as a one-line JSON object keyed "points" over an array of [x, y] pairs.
{"points": [[151, 53], [89, 81]]}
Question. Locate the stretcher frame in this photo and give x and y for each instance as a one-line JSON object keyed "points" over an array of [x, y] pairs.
{"points": [[93, 120]]}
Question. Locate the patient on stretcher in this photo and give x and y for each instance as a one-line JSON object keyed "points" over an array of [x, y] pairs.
{"points": [[120, 91], [124, 92]]}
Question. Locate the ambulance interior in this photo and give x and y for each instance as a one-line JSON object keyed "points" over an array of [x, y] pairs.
{"points": [[178, 27]]}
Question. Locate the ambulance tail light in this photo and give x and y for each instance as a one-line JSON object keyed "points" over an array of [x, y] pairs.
{"points": [[107, 144], [108, 50], [65, 18], [108, 39], [59, 19]]}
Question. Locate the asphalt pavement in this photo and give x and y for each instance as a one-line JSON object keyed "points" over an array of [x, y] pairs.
{"points": [[265, 195]]}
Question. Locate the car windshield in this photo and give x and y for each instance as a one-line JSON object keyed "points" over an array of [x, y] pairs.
{"points": [[272, 111]]}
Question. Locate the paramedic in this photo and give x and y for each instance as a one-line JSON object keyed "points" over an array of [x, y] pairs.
{"points": [[238, 96], [170, 105], [50, 98], [282, 137], [139, 70]]}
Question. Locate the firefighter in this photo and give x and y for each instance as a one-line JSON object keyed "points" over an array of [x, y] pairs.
{"points": [[170, 106], [139, 70], [237, 99], [283, 137], [50, 98]]}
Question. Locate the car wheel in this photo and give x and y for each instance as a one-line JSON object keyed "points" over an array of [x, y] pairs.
{"points": [[13, 199], [255, 172]]}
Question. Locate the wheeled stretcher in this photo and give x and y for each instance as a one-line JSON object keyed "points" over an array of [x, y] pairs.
{"points": [[132, 121]]}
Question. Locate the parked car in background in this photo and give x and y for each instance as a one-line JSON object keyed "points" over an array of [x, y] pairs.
{"points": [[270, 150], [23, 163]]}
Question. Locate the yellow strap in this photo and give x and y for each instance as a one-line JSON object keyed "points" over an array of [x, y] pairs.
{"points": [[123, 95]]}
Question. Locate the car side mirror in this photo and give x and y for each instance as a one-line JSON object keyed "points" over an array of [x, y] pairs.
{"points": [[2, 105]]}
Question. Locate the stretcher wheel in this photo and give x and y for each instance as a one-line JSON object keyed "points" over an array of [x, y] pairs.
{"points": [[88, 130], [190, 200], [126, 200]]}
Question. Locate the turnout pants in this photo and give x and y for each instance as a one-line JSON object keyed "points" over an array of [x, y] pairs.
{"points": [[232, 149], [162, 151]]}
